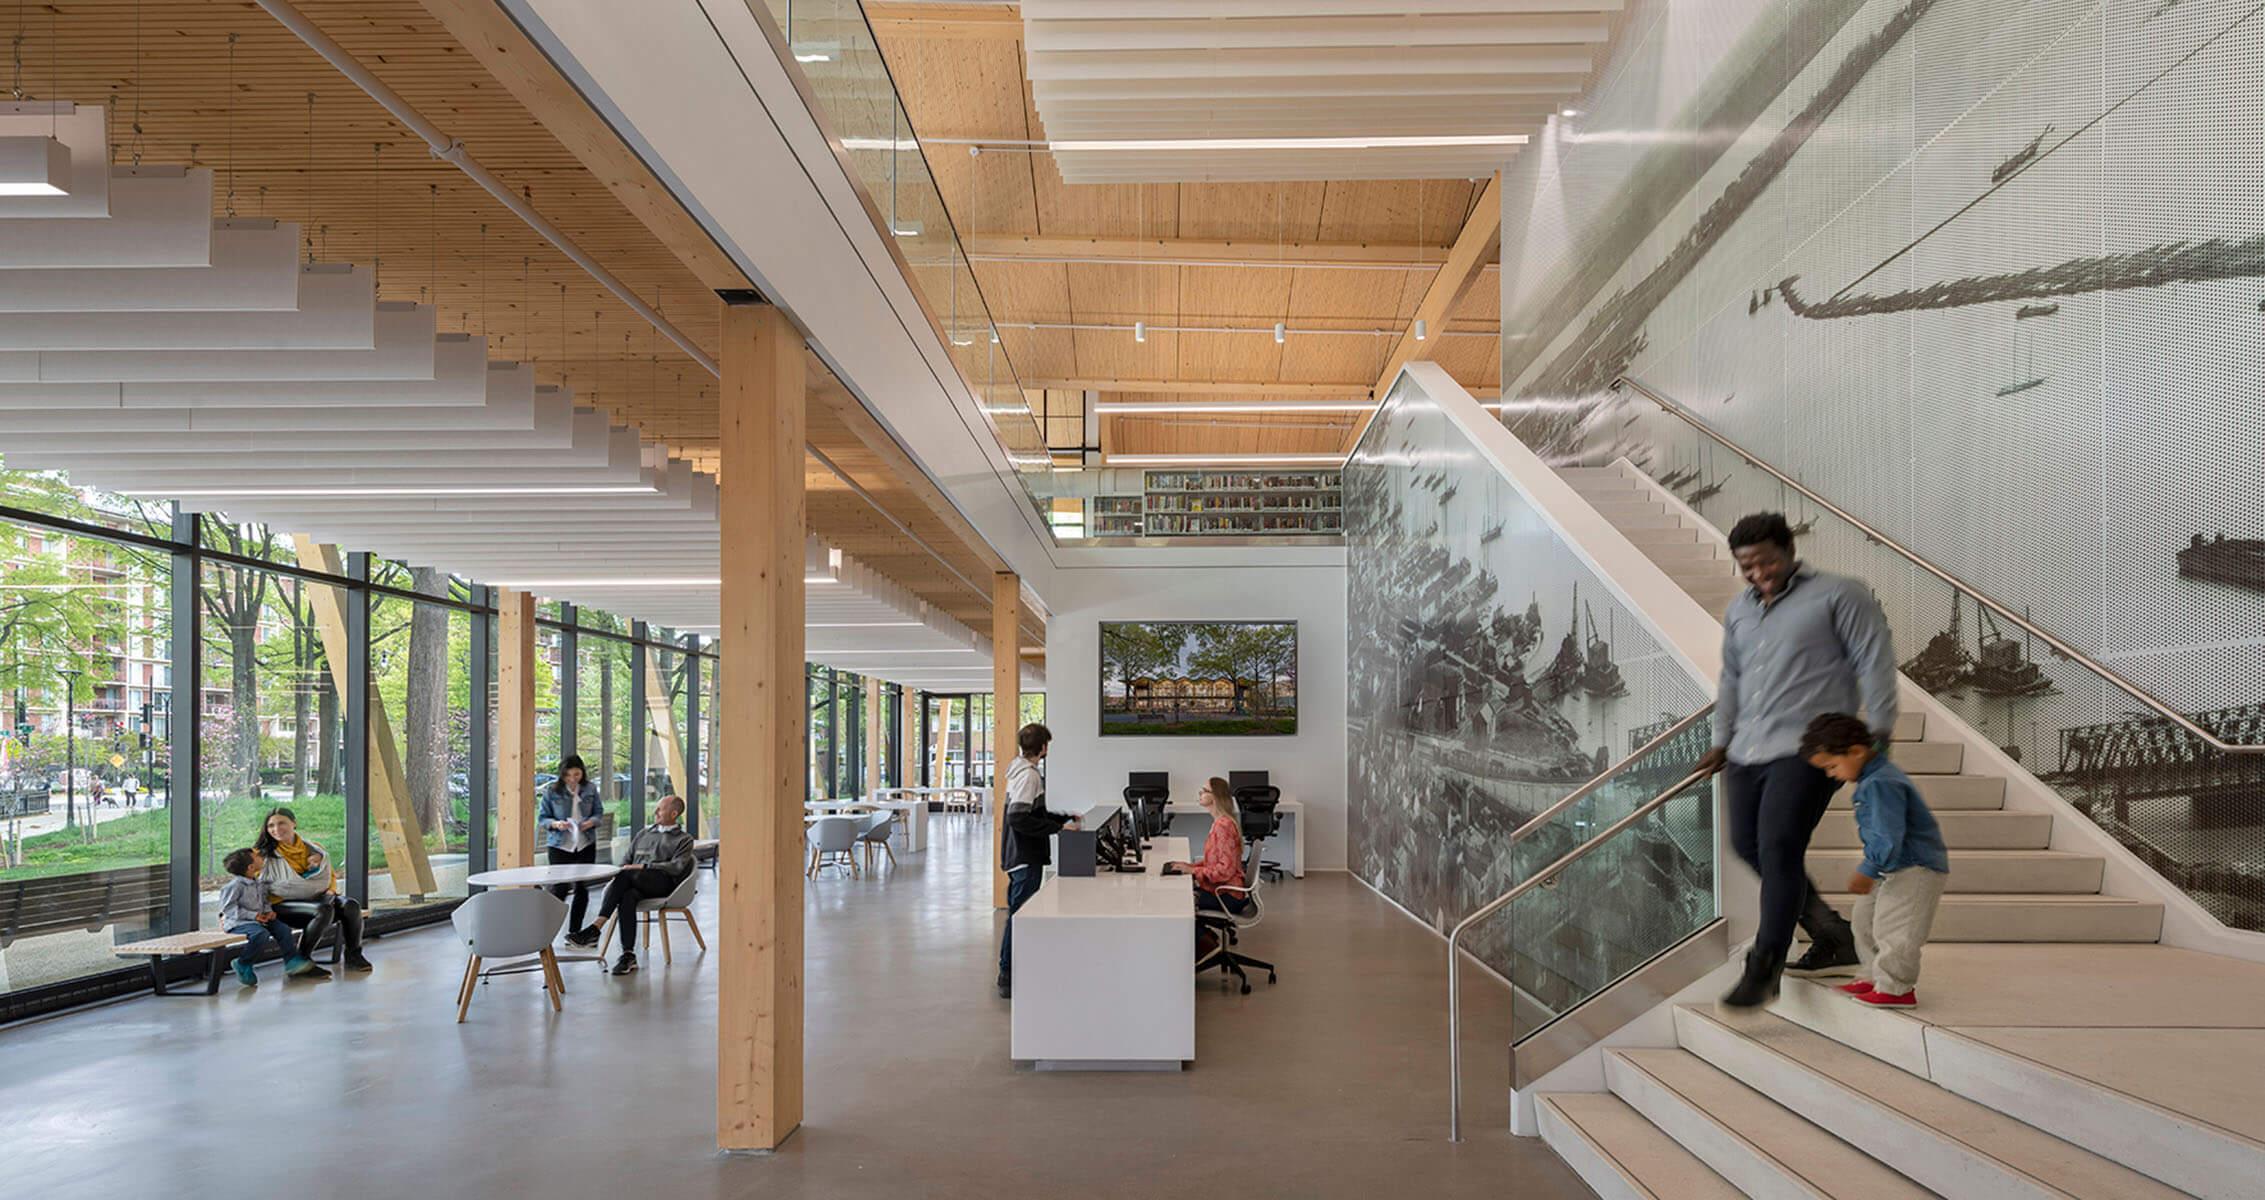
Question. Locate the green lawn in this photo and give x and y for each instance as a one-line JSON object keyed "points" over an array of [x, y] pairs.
{"points": [[140, 838]]}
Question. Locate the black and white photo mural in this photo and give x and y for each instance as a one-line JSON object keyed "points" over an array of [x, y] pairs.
{"points": [[1991, 277], [1490, 674]]}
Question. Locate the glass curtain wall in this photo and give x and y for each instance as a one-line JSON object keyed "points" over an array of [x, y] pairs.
{"points": [[93, 702], [85, 767]]}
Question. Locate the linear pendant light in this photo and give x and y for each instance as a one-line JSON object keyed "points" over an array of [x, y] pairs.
{"points": [[34, 166]]}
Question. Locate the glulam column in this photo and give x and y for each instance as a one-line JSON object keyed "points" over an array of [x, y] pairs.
{"points": [[514, 728], [1006, 710], [762, 722]]}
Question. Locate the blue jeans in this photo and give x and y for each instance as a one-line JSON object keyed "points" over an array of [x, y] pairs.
{"points": [[1022, 884], [257, 935]]}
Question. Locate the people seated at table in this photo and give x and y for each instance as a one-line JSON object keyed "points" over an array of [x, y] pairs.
{"points": [[658, 861], [303, 886], [569, 821], [1222, 864]]}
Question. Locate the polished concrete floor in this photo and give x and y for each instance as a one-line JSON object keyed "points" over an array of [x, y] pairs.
{"points": [[1330, 1083]]}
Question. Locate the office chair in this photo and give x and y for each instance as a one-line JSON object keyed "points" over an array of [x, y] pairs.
{"points": [[1147, 803], [1256, 802], [1226, 925]]}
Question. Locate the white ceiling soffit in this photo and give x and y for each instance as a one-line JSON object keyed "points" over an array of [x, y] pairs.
{"points": [[353, 422], [1302, 89], [404, 350], [254, 262], [79, 127], [159, 217]]}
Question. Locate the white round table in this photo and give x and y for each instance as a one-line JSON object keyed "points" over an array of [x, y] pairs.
{"points": [[544, 876], [547, 876]]}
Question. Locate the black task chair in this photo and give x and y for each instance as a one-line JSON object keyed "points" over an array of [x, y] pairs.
{"points": [[1256, 805], [1147, 803]]}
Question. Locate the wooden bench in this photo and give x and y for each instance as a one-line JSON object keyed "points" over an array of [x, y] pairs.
{"points": [[89, 900], [157, 950]]}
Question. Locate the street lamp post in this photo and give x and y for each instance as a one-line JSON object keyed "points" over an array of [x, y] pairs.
{"points": [[70, 745]]}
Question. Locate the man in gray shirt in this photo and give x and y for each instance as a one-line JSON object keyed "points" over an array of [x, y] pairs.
{"points": [[1796, 644]]}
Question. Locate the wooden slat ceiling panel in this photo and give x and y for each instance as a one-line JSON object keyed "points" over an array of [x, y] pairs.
{"points": [[961, 71], [370, 192]]}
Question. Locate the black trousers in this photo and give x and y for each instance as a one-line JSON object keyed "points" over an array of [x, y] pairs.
{"points": [[626, 889], [317, 916], [587, 854], [1774, 807]]}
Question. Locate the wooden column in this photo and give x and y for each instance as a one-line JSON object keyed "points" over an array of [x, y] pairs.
{"points": [[660, 718], [762, 721], [943, 734], [514, 728], [908, 738], [1006, 711]]}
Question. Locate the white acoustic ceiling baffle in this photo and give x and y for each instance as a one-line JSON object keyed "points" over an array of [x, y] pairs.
{"points": [[1169, 90], [159, 217], [31, 165], [148, 350]]}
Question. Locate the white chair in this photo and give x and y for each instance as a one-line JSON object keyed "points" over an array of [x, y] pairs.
{"points": [[656, 910], [831, 837], [509, 923], [876, 833]]}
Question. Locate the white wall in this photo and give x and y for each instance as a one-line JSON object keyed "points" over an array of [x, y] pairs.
{"points": [[1084, 768]]}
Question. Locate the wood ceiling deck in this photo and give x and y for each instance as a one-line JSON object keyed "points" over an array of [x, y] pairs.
{"points": [[370, 192], [1202, 256]]}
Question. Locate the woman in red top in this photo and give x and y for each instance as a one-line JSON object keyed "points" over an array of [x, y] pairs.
{"points": [[1222, 864]]}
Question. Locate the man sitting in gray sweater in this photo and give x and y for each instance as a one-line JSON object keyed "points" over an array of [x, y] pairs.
{"points": [[658, 861]]}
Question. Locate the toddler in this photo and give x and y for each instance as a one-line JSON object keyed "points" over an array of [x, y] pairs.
{"points": [[244, 909], [1905, 866]]}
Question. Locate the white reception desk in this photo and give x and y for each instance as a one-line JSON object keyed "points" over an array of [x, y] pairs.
{"points": [[1105, 968]]}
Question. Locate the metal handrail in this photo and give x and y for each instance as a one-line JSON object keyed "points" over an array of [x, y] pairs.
{"points": [[2060, 647], [1454, 937]]}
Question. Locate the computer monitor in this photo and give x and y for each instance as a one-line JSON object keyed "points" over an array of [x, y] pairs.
{"points": [[1149, 781], [1238, 780]]}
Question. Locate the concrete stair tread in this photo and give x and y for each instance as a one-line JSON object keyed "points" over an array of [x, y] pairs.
{"points": [[2036, 917], [1772, 1139], [1642, 1160], [1986, 872], [1942, 1139], [1946, 791], [1930, 758], [1966, 830]]}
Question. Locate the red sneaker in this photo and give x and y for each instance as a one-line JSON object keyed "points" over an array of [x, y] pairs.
{"points": [[1856, 987], [1908, 999]]}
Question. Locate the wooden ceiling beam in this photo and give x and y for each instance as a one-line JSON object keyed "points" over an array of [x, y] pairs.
{"points": [[1480, 240], [497, 43]]}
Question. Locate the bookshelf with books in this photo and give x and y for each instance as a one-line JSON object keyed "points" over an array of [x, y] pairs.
{"points": [[1192, 503]]}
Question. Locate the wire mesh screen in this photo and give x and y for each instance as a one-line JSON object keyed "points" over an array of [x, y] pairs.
{"points": [[1491, 674], [1991, 278]]}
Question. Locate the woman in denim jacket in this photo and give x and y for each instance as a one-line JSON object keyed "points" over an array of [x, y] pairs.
{"points": [[569, 821]]}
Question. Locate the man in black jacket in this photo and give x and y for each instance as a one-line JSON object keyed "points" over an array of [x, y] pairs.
{"points": [[1026, 845]]}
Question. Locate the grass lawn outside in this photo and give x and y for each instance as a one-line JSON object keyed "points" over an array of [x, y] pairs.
{"points": [[1203, 727], [143, 837]]}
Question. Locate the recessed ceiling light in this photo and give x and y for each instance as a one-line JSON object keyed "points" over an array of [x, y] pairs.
{"points": [[1227, 460], [907, 228], [538, 585], [810, 58], [1130, 408], [1568, 112], [1316, 143], [564, 490]]}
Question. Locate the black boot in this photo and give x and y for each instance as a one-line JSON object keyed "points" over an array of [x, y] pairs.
{"points": [[1758, 986], [1832, 944]]}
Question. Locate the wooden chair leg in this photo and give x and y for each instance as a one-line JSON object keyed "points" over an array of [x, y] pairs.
{"points": [[607, 941], [471, 981], [551, 982], [812, 873], [668, 955], [694, 926], [891, 852]]}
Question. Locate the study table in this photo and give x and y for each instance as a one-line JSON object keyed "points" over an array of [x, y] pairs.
{"points": [[1104, 967]]}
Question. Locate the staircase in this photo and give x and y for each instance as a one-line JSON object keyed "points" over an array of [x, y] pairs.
{"points": [[2061, 1055]]}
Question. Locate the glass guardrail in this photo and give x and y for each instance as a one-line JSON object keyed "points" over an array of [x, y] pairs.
{"points": [[2187, 809], [836, 51]]}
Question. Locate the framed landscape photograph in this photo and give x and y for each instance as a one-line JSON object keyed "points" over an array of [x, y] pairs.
{"points": [[1199, 678]]}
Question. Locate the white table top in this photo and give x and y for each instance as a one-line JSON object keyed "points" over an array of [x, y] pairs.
{"points": [[1115, 894], [543, 876]]}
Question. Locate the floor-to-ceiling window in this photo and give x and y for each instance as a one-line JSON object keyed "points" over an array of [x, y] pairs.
{"points": [[86, 690], [421, 716]]}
